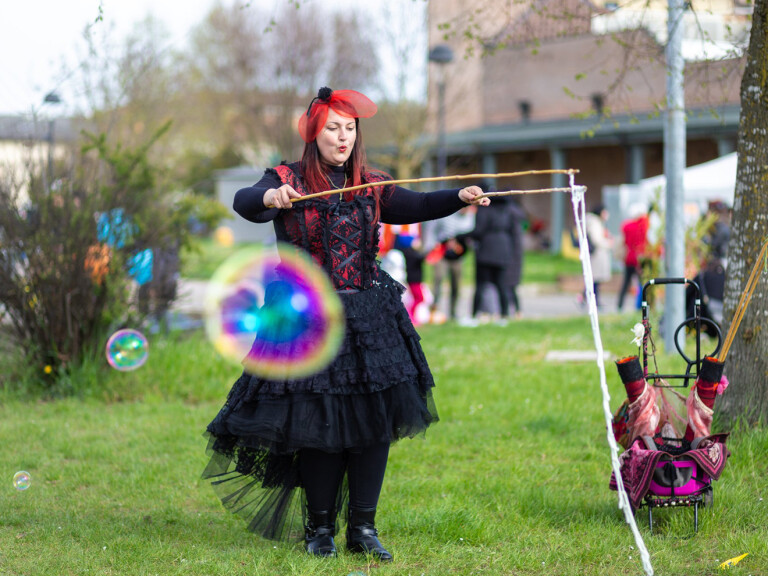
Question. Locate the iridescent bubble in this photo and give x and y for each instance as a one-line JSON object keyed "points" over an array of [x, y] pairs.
{"points": [[274, 311], [127, 350], [21, 480]]}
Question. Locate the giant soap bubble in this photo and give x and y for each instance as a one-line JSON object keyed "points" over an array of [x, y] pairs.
{"points": [[274, 311]]}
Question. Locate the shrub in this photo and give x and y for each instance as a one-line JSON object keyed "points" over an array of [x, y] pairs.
{"points": [[74, 251]]}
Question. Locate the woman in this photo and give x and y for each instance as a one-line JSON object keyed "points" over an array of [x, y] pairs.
{"points": [[330, 433], [514, 270], [601, 244], [493, 254]]}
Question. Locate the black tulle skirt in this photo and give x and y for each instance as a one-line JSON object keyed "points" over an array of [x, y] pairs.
{"points": [[377, 390]]}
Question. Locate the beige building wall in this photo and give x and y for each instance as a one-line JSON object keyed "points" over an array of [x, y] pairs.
{"points": [[559, 77], [16, 158]]}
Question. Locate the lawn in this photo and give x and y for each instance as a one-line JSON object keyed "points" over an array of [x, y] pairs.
{"points": [[512, 480]]}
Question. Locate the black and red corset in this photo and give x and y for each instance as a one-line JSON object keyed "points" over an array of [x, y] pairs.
{"points": [[342, 237]]}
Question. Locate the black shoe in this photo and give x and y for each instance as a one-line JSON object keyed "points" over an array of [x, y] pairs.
{"points": [[362, 535], [319, 532]]}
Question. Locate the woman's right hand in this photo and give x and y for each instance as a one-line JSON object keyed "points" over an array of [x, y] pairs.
{"points": [[280, 197]]}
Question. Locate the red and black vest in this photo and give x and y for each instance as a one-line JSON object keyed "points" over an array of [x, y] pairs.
{"points": [[342, 237]]}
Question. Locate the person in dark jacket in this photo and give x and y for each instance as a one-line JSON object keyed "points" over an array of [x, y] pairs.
{"points": [[493, 253], [514, 270]]}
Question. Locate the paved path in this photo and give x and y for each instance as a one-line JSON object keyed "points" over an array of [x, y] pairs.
{"points": [[536, 302]]}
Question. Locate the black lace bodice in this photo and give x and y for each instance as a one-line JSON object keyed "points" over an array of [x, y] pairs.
{"points": [[341, 236]]}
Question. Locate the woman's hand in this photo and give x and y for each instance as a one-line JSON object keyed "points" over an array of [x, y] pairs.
{"points": [[280, 197], [472, 195]]}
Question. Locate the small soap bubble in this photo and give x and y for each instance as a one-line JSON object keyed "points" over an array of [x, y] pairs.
{"points": [[21, 480], [274, 311], [127, 350]]}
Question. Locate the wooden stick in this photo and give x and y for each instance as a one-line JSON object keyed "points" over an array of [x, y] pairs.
{"points": [[746, 296], [514, 192], [430, 179]]}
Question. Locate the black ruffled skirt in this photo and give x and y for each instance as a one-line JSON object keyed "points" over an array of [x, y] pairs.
{"points": [[377, 390]]}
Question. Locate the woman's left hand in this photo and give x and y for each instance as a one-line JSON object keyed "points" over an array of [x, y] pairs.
{"points": [[474, 195]]}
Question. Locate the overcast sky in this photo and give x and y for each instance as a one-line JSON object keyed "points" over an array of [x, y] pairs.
{"points": [[38, 36]]}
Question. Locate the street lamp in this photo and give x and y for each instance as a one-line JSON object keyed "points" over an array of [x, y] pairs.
{"points": [[51, 98], [441, 55]]}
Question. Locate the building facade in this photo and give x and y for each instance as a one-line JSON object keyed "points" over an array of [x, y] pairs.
{"points": [[557, 84]]}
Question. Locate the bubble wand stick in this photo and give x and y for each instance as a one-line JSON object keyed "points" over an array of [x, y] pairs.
{"points": [[568, 171]]}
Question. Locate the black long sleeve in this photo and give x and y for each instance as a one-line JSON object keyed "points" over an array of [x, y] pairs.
{"points": [[249, 202], [403, 206], [398, 205]]}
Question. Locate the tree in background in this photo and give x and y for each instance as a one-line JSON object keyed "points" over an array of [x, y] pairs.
{"points": [[248, 75], [747, 362], [399, 125], [219, 79]]}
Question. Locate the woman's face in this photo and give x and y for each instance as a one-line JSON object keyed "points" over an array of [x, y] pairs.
{"points": [[337, 138]]}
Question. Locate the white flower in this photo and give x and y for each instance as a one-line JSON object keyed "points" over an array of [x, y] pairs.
{"points": [[639, 331]]}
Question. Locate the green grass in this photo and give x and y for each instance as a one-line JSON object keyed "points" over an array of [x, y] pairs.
{"points": [[539, 267], [512, 480], [205, 256], [542, 267]]}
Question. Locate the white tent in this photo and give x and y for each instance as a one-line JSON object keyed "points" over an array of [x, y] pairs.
{"points": [[703, 183], [713, 180]]}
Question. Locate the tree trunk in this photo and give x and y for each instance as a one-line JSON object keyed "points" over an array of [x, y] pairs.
{"points": [[747, 362]]}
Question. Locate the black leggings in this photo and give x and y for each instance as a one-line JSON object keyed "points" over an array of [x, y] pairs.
{"points": [[630, 272], [513, 299], [493, 275], [322, 473]]}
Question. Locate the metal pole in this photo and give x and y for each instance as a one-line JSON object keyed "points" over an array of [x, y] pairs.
{"points": [[441, 153], [51, 98], [441, 55], [557, 202], [674, 166]]}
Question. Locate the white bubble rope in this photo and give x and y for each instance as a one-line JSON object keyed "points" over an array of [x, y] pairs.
{"points": [[579, 214]]}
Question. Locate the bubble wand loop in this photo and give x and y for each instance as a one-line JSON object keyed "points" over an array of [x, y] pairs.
{"points": [[568, 171], [746, 296], [579, 215], [517, 192]]}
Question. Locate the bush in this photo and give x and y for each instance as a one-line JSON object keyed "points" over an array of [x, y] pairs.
{"points": [[74, 251]]}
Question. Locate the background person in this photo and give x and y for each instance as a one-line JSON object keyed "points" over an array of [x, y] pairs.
{"points": [[450, 234], [492, 238], [718, 237], [320, 434], [634, 232], [514, 270], [601, 241], [410, 246]]}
